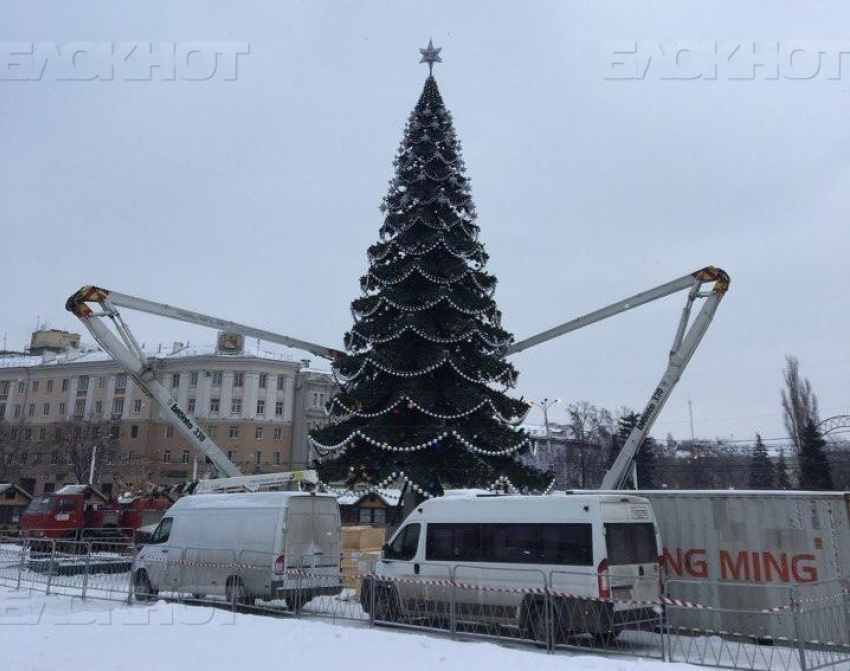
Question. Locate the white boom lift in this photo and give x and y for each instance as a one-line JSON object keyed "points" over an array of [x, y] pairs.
{"points": [[125, 349]]}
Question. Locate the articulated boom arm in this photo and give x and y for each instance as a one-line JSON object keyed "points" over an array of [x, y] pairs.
{"points": [[685, 342], [125, 349]]}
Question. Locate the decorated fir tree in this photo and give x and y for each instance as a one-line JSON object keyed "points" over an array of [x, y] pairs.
{"points": [[423, 381]]}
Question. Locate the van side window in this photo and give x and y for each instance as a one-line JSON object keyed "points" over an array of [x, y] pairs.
{"points": [[405, 544], [558, 544], [163, 531]]}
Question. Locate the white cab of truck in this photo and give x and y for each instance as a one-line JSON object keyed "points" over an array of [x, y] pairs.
{"points": [[269, 545]]}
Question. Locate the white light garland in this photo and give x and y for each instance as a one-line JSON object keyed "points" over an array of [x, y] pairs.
{"points": [[346, 442], [501, 482], [550, 488], [343, 379], [401, 400], [380, 340]]}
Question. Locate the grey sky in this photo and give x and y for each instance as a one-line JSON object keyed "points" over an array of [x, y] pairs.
{"points": [[256, 199]]}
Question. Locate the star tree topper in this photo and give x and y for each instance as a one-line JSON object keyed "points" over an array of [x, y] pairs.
{"points": [[430, 55]]}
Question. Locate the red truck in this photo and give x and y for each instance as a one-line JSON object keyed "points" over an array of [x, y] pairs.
{"points": [[79, 511]]}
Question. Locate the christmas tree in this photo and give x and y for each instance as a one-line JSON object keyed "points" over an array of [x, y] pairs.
{"points": [[423, 380]]}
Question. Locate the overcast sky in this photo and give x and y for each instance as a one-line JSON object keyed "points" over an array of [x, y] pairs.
{"points": [[255, 199]]}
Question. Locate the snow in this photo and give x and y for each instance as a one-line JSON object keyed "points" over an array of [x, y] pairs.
{"points": [[60, 632]]}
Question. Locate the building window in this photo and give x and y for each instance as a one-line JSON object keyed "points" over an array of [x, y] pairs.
{"points": [[131, 456], [264, 380], [239, 379], [166, 457], [4, 388], [101, 381], [45, 409], [2, 411], [50, 386], [236, 406], [95, 431], [190, 405], [65, 384], [134, 431], [212, 431], [185, 458], [42, 433], [83, 383], [110, 458], [373, 516], [169, 431], [34, 386], [121, 381], [22, 458], [278, 433], [193, 379], [261, 407], [214, 404], [175, 380], [258, 458], [258, 433], [31, 410], [318, 399], [278, 409], [280, 382], [54, 457], [36, 458], [114, 431], [230, 455], [62, 409], [233, 432], [98, 408], [276, 456], [21, 387], [117, 408], [17, 410], [137, 406], [216, 378]]}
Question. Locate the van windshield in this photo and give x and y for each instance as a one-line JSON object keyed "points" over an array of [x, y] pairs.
{"points": [[631, 543]]}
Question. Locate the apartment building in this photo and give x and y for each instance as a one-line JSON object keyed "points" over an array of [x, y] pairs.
{"points": [[256, 405]]}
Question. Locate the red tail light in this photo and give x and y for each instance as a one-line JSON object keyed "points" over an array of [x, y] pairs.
{"points": [[279, 564], [603, 580]]}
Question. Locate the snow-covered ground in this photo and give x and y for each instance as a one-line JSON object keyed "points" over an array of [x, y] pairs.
{"points": [[43, 632]]}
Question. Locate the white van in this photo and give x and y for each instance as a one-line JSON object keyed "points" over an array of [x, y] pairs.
{"points": [[269, 545], [598, 554]]}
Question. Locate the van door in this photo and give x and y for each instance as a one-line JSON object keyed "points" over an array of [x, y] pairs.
{"points": [[632, 561], [312, 535], [399, 560], [161, 559]]}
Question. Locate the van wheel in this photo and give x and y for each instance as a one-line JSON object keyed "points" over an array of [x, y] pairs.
{"points": [[603, 639], [533, 621], [387, 606], [236, 592], [142, 588]]}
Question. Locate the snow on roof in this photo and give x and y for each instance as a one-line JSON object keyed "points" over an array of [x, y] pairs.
{"points": [[390, 496], [88, 354], [73, 489], [242, 500]]}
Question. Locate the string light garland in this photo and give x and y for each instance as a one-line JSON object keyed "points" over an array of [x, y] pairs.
{"points": [[343, 379], [410, 328], [501, 483], [412, 404], [383, 300], [343, 445], [550, 488]]}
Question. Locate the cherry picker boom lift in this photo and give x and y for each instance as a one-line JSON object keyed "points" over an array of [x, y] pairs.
{"points": [[124, 348]]}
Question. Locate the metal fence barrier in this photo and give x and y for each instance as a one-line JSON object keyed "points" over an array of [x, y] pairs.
{"points": [[800, 628]]}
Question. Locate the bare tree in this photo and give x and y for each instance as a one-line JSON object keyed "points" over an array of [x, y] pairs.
{"points": [[799, 403], [75, 441], [592, 429]]}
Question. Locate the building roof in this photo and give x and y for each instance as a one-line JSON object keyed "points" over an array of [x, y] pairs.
{"points": [[89, 355], [389, 497], [6, 486]]}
